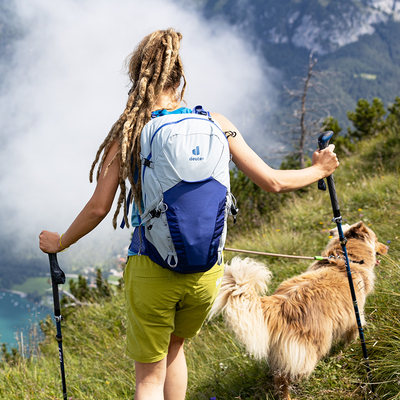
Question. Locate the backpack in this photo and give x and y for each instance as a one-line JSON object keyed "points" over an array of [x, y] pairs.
{"points": [[185, 192]]}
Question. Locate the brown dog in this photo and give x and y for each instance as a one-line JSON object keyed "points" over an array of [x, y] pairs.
{"points": [[297, 325]]}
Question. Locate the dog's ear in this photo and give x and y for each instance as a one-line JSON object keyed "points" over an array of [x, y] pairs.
{"points": [[358, 230], [334, 232]]}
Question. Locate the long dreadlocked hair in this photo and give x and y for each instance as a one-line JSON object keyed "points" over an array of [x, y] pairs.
{"points": [[154, 67]]}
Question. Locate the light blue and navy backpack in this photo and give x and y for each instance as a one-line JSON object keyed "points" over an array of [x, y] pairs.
{"points": [[185, 191]]}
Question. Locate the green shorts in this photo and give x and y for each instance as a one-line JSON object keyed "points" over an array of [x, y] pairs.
{"points": [[161, 302]]}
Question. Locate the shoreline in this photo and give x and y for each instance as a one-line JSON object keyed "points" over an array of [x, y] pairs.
{"points": [[21, 294]]}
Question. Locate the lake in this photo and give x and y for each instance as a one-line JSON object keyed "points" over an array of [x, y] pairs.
{"points": [[18, 314]]}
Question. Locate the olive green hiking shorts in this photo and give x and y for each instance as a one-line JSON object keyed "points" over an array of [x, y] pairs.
{"points": [[161, 302]]}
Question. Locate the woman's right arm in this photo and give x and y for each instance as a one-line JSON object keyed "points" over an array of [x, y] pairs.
{"points": [[94, 211], [324, 162]]}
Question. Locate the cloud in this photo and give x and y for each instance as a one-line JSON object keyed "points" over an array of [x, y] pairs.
{"points": [[66, 85]]}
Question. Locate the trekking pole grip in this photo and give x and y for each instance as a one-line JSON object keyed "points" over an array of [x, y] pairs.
{"points": [[57, 278], [324, 138], [323, 141], [57, 274]]}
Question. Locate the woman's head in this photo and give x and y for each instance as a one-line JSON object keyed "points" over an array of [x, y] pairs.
{"points": [[157, 58], [155, 68]]}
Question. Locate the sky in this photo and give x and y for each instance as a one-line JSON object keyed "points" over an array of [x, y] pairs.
{"points": [[66, 84]]}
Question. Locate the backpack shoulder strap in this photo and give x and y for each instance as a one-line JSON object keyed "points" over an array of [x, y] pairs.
{"points": [[201, 111], [162, 112]]}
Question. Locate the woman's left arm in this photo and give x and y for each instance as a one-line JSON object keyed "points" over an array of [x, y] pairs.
{"points": [[94, 211]]}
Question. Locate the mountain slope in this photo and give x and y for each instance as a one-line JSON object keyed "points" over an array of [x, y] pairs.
{"points": [[94, 336], [356, 42], [319, 25]]}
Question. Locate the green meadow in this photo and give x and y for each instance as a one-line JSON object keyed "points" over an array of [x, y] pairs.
{"points": [[38, 286]]}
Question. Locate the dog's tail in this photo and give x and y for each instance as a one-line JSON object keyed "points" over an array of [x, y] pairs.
{"points": [[239, 302]]}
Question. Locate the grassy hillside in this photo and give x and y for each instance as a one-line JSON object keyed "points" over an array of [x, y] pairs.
{"points": [[94, 336]]}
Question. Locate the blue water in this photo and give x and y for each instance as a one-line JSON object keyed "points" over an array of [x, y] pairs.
{"points": [[18, 314]]}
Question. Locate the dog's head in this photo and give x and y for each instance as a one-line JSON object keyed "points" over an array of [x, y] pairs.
{"points": [[357, 236], [362, 246]]}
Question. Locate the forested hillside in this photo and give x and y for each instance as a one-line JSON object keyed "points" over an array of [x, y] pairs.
{"points": [[357, 44]]}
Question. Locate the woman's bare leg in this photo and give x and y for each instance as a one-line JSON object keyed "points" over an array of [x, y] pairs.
{"points": [[176, 377], [150, 378]]}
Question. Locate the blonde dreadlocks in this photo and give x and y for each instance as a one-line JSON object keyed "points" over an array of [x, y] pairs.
{"points": [[154, 67]]}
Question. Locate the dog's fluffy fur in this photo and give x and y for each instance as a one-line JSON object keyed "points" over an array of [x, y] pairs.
{"points": [[297, 325]]}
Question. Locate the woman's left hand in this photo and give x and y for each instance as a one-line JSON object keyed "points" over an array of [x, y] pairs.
{"points": [[49, 242]]}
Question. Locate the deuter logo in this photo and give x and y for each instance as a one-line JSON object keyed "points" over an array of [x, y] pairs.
{"points": [[196, 152]]}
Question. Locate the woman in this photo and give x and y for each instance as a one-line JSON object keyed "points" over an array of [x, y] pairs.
{"points": [[160, 317]]}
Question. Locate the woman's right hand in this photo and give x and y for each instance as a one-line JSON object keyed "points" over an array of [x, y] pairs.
{"points": [[49, 242], [326, 160]]}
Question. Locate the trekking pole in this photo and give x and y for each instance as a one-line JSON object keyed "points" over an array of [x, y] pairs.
{"points": [[58, 277], [323, 141]]}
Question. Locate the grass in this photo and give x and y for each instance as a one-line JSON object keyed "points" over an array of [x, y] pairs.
{"points": [[94, 336]]}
